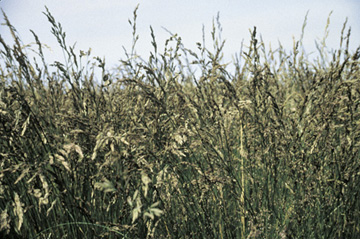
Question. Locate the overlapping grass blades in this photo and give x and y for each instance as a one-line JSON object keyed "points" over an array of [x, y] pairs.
{"points": [[155, 150]]}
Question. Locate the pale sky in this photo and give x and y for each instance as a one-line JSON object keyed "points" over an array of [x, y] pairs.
{"points": [[103, 25]]}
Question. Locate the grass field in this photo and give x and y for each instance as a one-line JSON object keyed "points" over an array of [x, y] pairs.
{"points": [[154, 149]]}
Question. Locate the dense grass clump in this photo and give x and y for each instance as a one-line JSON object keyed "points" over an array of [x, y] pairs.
{"points": [[155, 150]]}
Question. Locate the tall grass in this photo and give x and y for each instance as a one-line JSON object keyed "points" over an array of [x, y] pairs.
{"points": [[154, 150]]}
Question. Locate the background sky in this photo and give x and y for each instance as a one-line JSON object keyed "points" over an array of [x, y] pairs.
{"points": [[103, 25]]}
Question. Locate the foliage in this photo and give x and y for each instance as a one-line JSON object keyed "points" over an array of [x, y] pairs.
{"points": [[178, 147]]}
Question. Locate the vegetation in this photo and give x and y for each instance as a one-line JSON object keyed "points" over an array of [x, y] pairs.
{"points": [[157, 150]]}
